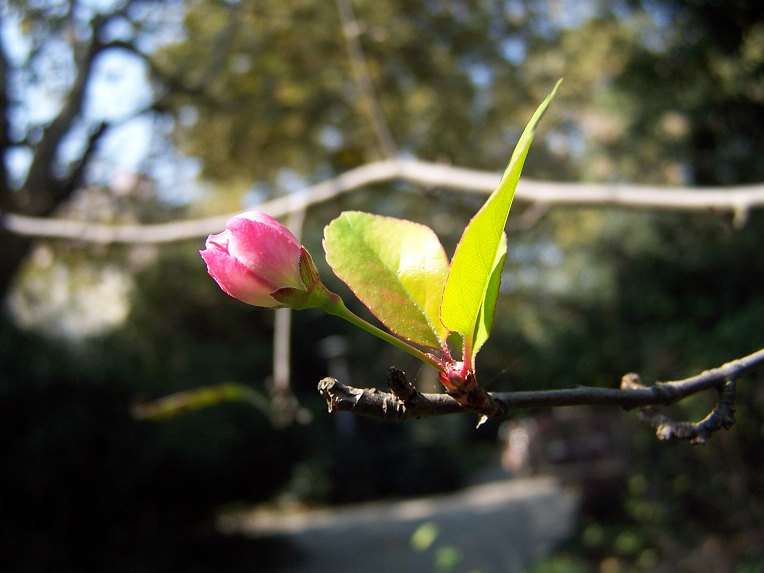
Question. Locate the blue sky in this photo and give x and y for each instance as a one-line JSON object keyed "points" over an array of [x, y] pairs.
{"points": [[118, 92]]}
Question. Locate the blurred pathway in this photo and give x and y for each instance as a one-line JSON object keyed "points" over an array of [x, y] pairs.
{"points": [[498, 527]]}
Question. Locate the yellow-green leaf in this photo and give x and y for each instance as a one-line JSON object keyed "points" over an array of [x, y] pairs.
{"points": [[397, 268], [488, 309], [469, 294]]}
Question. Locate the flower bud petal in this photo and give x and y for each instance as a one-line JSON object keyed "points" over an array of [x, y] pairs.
{"points": [[253, 257]]}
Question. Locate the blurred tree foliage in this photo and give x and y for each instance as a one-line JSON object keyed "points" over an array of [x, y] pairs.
{"points": [[262, 94], [666, 92]]}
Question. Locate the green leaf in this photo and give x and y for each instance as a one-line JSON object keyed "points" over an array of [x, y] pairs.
{"points": [[488, 308], [469, 297], [198, 398], [397, 268]]}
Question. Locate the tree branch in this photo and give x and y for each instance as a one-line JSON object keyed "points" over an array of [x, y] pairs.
{"points": [[191, 79], [77, 169], [737, 199], [405, 402], [722, 416], [42, 189]]}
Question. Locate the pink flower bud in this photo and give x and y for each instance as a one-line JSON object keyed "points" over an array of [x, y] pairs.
{"points": [[453, 376], [255, 256]]}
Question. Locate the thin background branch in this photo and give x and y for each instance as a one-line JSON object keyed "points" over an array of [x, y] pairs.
{"points": [[284, 406], [351, 31], [736, 199]]}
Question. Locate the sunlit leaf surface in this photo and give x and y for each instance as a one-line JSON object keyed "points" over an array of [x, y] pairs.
{"points": [[471, 288], [397, 268]]}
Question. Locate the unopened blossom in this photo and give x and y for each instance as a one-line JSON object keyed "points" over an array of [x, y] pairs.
{"points": [[254, 257]]}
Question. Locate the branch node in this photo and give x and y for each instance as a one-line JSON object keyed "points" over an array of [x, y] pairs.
{"points": [[722, 416], [337, 395], [400, 386]]}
